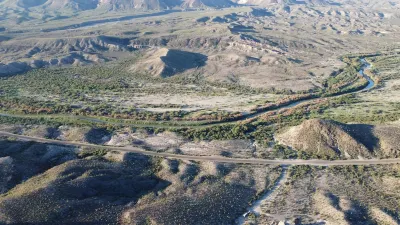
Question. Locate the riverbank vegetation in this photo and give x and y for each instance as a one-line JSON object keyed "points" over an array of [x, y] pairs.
{"points": [[106, 91]]}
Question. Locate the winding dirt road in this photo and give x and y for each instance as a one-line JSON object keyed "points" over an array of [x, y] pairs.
{"points": [[220, 159], [255, 207]]}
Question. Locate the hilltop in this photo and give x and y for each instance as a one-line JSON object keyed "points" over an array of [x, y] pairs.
{"points": [[165, 62], [330, 139]]}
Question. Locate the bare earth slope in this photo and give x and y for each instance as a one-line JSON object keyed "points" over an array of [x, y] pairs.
{"points": [[323, 138], [94, 187], [167, 62], [332, 139], [82, 5]]}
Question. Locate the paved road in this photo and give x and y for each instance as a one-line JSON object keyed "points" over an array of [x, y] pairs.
{"points": [[212, 158]]}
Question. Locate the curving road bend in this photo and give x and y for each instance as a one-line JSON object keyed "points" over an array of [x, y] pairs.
{"points": [[255, 207], [219, 159]]}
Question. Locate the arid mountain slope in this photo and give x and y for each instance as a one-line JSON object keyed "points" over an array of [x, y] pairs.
{"points": [[270, 2], [42, 184], [167, 62], [329, 139], [81, 5]]}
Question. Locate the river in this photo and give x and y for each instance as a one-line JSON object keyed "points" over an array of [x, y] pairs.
{"points": [[365, 65], [255, 207]]}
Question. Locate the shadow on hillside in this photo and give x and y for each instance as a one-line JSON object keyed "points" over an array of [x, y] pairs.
{"points": [[358, 215], [21, 160], [334, 200], [178, 61], [365, 135], [70, 190], [98, 136]]}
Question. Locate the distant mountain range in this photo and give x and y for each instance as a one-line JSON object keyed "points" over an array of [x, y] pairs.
{"points": [[81, 5]]}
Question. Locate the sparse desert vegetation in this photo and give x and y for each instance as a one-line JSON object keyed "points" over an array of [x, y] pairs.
{"points": [[86, 182], [336, 195], [204, 91]]}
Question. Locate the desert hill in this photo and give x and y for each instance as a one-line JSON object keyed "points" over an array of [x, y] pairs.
{"points": [[206, 3], [330, 139], [81, 5], [51, 4], [45, 184], [42, 181], [269, 2], [168, 62]]}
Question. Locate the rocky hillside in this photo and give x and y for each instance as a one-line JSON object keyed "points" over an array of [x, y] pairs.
{"points": [[46, 184], [167, 62], [330, 139], [22, 8], [81, 5], [269, 2]]}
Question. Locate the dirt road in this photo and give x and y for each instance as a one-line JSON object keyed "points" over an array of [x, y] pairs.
{"points": [[219, 159], [255, 207]]}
